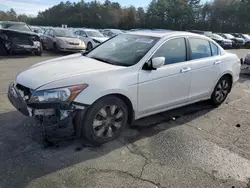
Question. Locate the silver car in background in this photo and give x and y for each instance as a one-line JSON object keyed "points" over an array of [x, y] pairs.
{"points": [[60, 39], [91, 37]]}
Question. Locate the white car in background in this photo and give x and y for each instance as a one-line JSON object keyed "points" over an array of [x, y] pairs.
{"points": [[91, 37], [129, 77]]}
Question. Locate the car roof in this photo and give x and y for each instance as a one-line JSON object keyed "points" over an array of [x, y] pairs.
{"points": [[89, 29], [163, 33]]}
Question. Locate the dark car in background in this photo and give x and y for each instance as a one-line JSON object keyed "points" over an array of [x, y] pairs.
{"points": [[237, 42], [17, 37], [224, 43], [246, 38]]}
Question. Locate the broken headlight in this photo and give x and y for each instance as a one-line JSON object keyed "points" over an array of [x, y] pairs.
{"points": [[67, 94]]}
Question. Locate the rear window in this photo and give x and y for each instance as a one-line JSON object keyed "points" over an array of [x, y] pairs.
{"points": [[200, 48], [214, 49]]}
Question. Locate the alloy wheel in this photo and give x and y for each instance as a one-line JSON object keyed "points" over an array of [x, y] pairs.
{"points": [[222, 90], [108, 121]]}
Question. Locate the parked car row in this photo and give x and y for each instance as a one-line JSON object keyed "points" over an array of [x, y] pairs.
{"points": [[227, 40]]}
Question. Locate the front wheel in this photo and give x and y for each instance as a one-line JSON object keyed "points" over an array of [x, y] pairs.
{"points": [[104, 120], [89, 46], [221, 91]]}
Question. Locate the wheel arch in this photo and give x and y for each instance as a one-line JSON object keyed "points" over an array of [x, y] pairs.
{"points": [[228, 74], [127, 101]]}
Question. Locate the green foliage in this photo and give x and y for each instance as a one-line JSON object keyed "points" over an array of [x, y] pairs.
{"points": [[219, 15]]}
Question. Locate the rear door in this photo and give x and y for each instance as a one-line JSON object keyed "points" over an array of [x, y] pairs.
{"points": [[206, 60]]}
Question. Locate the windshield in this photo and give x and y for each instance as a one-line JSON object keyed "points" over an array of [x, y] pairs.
{"points": [[64, 33], [15, 26], [229, 36], [94, 34], [123, 50], [218, 37], [116, 31]]}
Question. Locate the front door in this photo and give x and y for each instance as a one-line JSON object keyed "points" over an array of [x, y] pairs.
{"points": [[168, 85]]}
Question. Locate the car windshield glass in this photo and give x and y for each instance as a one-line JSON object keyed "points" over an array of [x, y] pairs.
{"points": [[94, 34], [15, 26], [64, 33], [246, 36], [218, 37], [123, 50], [116, 31], [229, 36]]}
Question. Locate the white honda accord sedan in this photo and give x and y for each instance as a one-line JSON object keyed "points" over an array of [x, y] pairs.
{"points": [[128, 77]]}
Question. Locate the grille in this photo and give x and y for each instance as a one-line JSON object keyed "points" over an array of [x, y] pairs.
{"points": [[73, 43], [22, 41]]}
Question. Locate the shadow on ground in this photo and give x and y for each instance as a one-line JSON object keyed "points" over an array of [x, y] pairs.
{"points": [[23, 157]]}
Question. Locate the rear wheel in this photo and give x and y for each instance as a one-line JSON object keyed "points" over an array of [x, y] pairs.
{"points": [[221, 91], [104, 120]]}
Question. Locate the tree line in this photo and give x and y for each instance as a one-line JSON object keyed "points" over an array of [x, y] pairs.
{"points": [[217, 16]]}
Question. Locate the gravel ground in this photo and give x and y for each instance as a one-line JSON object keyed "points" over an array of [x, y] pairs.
{"points": [[193, 146]]}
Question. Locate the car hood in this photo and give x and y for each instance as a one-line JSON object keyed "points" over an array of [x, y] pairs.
{"points": [[69, 39], [101, 39], [59, 68]]}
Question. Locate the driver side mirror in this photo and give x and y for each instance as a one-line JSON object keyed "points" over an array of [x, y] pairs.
{"points": [[158, 62]]}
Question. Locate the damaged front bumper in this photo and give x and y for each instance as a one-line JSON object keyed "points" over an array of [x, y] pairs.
{"points": [[59, 110]]}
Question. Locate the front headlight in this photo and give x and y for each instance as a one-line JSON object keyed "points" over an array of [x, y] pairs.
{"points": [[67, 94]]}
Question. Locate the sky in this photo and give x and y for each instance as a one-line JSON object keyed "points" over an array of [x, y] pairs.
{"points": [[31, 7]]}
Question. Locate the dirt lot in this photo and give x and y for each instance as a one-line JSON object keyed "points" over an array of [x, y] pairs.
{"points": [[194, 146]]}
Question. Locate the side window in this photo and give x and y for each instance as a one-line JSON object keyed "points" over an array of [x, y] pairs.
{"points": [[173, 50], [200, 48], [215, 49]]}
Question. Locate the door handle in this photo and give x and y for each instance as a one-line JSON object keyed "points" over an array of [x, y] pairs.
{"points": [[186, 69], [217, 62]]}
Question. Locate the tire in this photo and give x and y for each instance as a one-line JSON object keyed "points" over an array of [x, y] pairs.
{"points": [[55, 47], [110, 115], [40, 51], [3, 51], [221, 91], [247, 45], [89, 46]]}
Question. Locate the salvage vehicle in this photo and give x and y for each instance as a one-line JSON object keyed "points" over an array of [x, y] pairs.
{"points": [[128, 77], [17, 37], [91, 37], [60, 39]]}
